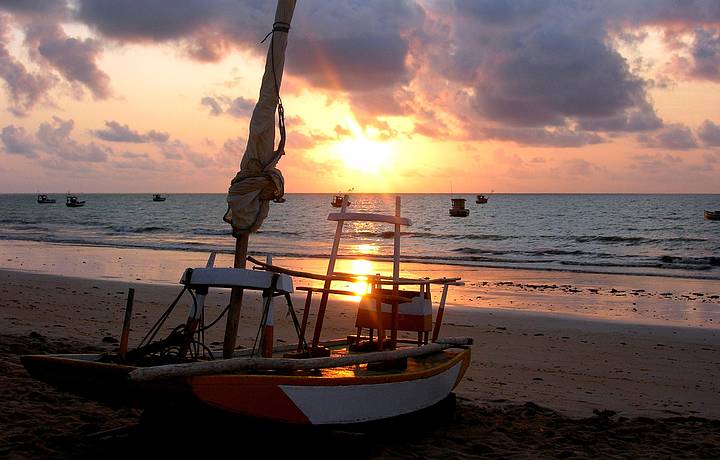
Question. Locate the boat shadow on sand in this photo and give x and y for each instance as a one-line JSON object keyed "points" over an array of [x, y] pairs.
{"points": [[44, 422]]}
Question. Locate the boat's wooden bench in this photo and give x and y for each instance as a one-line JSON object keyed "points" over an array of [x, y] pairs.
{"points": [[237, 277]]}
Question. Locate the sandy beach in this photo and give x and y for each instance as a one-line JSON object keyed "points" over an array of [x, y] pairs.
{"points": [[539, 360]]}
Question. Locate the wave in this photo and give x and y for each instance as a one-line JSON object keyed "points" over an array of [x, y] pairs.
{"points": [[131, 229]]}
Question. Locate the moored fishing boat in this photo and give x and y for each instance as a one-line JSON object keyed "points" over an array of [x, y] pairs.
{"points": [[712, 215], [458, 208], [72, 201], [43, 199], [337, 200]]}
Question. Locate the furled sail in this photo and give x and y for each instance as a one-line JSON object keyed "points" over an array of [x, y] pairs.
{"points": [[259, 180]]}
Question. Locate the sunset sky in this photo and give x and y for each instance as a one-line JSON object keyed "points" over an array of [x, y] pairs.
{"points": [[382, 96]]}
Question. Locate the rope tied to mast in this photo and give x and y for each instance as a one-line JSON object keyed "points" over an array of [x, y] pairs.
{"points": [[284, 27]]}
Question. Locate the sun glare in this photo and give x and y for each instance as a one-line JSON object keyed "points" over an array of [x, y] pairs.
{"points": [[361, 153], [360, 267]]}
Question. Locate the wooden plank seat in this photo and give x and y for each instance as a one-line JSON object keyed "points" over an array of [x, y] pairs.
{"points": [[236, 277]]}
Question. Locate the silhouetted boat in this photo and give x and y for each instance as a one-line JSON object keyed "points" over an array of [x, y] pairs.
{"points": [[481, 199], [337, 201], [712, 215], [458, 208], [73, 202], [159, 197], [43, 199]]}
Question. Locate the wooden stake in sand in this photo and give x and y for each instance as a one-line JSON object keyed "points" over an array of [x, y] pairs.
{"points": [[122, 351]]}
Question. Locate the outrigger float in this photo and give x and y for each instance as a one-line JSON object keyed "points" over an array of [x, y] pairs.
{"points": [[359, 378]]}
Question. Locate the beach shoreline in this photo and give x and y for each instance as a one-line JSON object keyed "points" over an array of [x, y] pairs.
{"points": [[625, 298]]}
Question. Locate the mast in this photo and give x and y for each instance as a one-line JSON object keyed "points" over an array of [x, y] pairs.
{"points": [[258, 180]]}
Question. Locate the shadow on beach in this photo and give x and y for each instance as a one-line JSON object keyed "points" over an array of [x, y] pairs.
{"points": [[39, 421]]}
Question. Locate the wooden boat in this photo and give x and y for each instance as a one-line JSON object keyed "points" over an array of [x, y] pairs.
{"points": [[338, 201], [712, 215], [73, 202], [159, 197], [458, 208], [43, 199], [361, 378], [481, 199]]}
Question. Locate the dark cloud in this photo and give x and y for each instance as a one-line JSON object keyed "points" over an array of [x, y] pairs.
{"points": [[706, 55], [357, 45], [24, 88], [56, 141], [73, 58], [500, 12], [549, 75], [18, 142], [673, 137], [635, 119], [555, 137], [709, 133], [154, 20], [115, 132], [42, 7]]}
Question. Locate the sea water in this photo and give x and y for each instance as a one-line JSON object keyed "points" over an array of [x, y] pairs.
{"points": [[641, 234]]}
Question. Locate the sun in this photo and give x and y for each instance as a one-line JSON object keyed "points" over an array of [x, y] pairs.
{"points": [[361, 153]]}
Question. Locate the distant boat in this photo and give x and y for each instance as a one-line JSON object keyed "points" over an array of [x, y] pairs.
{"points": [[712, 215], [337, 201], [43, 199], [458, 208], [159, 197], [481, 199], [73, 202]]}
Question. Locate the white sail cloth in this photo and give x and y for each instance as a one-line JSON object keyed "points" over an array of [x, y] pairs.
{"points": [[259, 180]]}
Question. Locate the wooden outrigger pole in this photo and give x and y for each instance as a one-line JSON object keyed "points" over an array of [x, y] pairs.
{"points": [[260, 161]]}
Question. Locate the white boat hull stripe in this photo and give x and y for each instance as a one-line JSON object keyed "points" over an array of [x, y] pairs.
{"points": [[361, 403]]}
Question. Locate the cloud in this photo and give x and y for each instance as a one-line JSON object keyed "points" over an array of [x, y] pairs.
{"points": [[239, 107], [18, 142], [215, 108], [75, 59], [358, 45], [655, 164], [706, 55], [24, 88], [673, 137], [115, 132], [56, 141], [709, 133], [640, 118], [555, 137]]}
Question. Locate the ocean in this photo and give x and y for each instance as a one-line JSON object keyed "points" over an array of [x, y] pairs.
{"points": [[638, 234]]}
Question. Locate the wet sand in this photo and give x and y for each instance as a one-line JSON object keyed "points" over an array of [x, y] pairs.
{"points": [[578, 367]]}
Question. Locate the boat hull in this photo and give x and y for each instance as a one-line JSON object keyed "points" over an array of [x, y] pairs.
{"points": [[712, 215], [459, 212], [334, 396]]}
